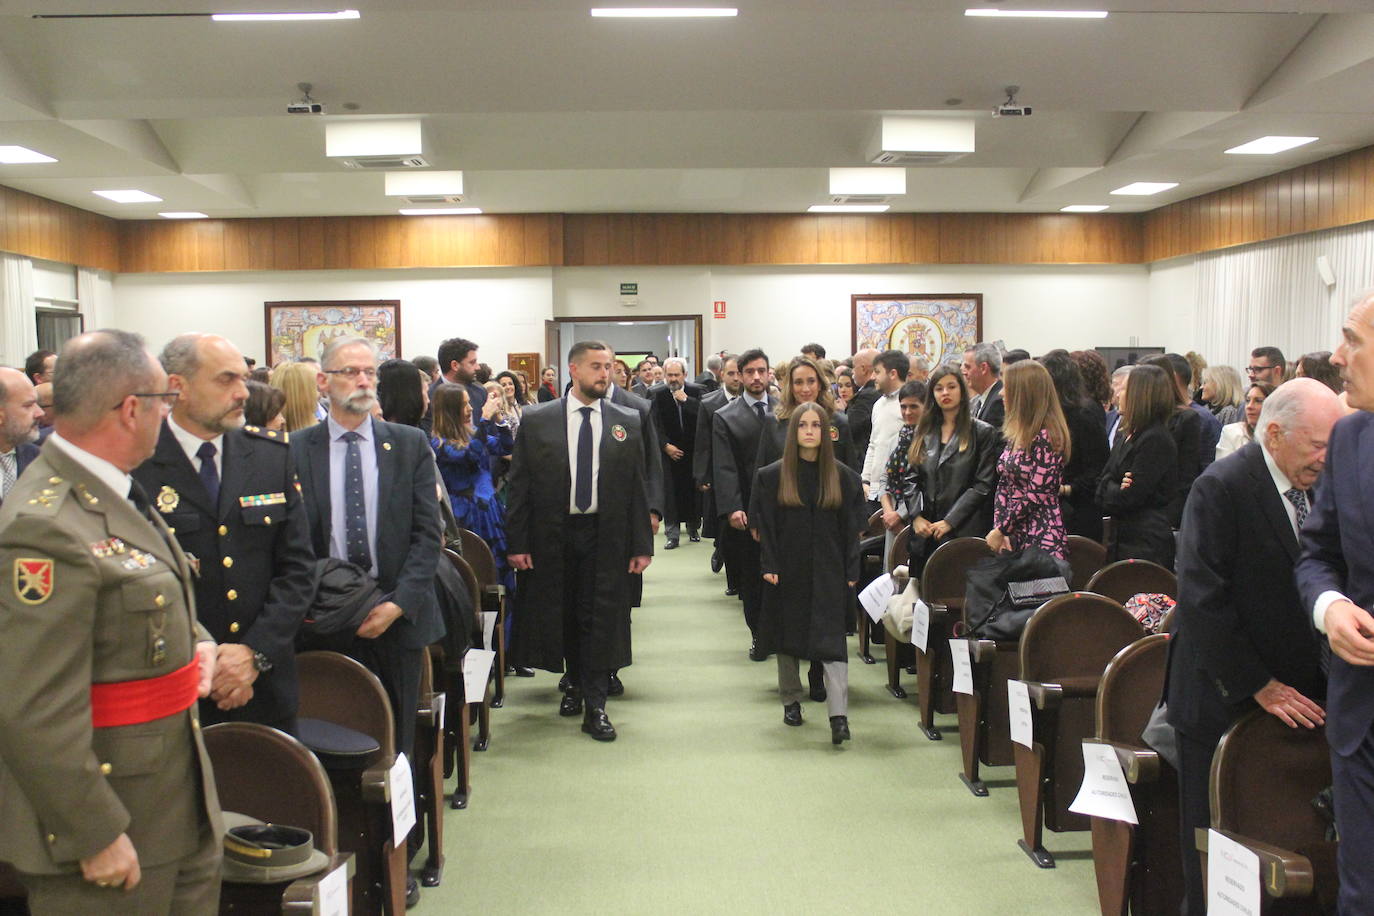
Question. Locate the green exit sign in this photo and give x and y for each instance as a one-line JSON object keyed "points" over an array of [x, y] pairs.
{"points": [[629, 289]]}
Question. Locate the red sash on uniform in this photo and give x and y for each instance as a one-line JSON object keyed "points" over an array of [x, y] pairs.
{"points": [[136, 702]]}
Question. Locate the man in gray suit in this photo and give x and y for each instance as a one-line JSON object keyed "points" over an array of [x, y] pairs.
{"points": [[370, 496]]}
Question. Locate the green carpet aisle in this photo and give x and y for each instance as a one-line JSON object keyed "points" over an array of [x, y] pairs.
{"points": [[707, 803]]}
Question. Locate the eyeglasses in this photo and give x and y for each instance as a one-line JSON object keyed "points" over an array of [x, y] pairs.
{"points": [[169, 398], [352, 372], [1256, 370]]}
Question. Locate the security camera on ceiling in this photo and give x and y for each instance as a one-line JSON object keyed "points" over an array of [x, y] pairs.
{"points": [[1012, 108], [305, 104]]}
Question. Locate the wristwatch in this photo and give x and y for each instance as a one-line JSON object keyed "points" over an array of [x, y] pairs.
{"points": [[261, 663]]}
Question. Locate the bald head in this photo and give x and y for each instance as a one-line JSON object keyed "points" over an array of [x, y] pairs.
{"points": [[1354, 357], [863, 366], [19, 410], [211, 375], [1295, 426]]}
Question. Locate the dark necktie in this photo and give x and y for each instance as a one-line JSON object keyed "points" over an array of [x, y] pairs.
{"points": [[583, 499], [355, 507], [758, 406], [1299, 500], [209, 476]]}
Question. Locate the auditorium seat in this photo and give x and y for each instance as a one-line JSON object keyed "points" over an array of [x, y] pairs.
{"points": [[340, 702], [1138, 866], [984, 722], [482, 704], [1065, 648], [872, 562], [943, 584], [269, 775], [429, 774], [1086, 557], [898, 650], [493, 599], [1124, 579], [1264, 778]]}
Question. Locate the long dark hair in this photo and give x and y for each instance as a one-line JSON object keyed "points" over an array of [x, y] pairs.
{"points": [[789, 491], [263, 404], [934, 417], [1151, 398], [787, 403], [519, 385], [1067, 378], [450, 402], [398, 390]]}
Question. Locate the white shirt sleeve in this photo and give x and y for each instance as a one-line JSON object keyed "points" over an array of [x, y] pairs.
{"points": [[1324, 601]]}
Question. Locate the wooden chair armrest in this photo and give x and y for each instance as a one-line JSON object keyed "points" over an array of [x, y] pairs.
{"points": [[1045, 696], [427, 711], [1141, 764], [375, 782], [492, 597], [302, 895], [981, 651], [1285, 873]]}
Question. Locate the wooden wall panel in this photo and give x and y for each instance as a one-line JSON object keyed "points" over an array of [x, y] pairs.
{"points": [[1320, 195], [45, 229]]}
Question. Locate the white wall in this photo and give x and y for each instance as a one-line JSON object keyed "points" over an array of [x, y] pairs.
{"points": [[1171, 291], [502, 310]]}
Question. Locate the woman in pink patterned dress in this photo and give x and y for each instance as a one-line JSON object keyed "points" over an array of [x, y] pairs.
{"points": [[1031, 469]]}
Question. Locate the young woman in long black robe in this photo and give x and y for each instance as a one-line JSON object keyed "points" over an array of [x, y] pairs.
{"points": [[807, 511]]}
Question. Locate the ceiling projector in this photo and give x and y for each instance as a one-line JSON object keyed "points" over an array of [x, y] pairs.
{"points": [[1011, 108], [305, 104]]}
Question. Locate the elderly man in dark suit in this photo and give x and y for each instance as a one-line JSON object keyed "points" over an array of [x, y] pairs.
{"points": [[677, 407], [982, 368], [370, 496], [736, 430], [577, 521], [1336, 579], [701, 467], [709, 380], [19, 416], [229, 494], [1241, 635]]}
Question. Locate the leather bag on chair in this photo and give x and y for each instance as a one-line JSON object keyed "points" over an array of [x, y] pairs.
{"points": [[991, 607]]}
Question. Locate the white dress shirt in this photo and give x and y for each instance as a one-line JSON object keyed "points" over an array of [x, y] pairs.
{"points": [[1282, 484], [887, 426], [1233, 439], [338, 457], [574, 431], [191, 443]]}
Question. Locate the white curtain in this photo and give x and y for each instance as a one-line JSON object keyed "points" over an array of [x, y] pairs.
{"points": [[1270, 294], [95, 297], [18, 325]]}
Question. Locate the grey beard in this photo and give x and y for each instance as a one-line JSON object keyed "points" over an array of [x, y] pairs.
{"points": [[358, 403]]}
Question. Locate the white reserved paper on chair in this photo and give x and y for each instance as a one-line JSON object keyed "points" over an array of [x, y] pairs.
{"points": [[1019, 708], [874, 597], [1233, 877], [963, 666], [489, 630], [402, 801], [1104, 792], [920, 625], [332, 893], [476, 667]]}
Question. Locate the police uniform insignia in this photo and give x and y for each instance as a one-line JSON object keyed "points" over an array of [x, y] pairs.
{"points": [[168, 500], [618, 433], [834, 434], [263, 499], [33, 580]]}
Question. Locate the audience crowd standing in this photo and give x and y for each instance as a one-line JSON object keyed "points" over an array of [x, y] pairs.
{"points": [[1247, 482]]}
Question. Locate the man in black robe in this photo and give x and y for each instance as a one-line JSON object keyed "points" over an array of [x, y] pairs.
{"points": [[676, 409], [731, 387], [577, 521]]}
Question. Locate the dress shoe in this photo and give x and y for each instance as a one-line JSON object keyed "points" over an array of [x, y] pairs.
{"points": [[563, 684], [731, 592], [521, 671], [791, 714], [717, 561], [839, 729], [598, 725], [572, 703], [616, 688], [412, 892], [694, 537], [671, 545], [756, 654]]}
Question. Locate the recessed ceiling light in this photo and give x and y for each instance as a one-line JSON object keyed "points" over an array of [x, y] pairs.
{"points": [[1037, 14], [1266, 146], [847, 208], [1083, 208], [423, 182], [440, 211], [183, 214], [663, 12], [284, 17], [129, 196], [1146, 187], [20, 155], [868, 181]]}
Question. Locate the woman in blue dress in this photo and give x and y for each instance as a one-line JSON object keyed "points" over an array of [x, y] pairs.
{"points": [[466, 454]]}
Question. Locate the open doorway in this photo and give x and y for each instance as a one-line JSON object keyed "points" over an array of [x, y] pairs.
{"points": [[631, 338]]}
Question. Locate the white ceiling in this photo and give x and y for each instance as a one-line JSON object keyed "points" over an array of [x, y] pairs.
{"points": [[547, 109]]}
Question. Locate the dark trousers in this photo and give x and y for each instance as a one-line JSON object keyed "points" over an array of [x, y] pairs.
{"points": [[1353, 778], [579, 609], [745, 551], [398, 668], [1194, 810]]}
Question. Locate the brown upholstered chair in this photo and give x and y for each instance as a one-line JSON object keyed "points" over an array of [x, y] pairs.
{"points": [[1065, 648], [943, 584], [871, 561], [898, 650], [448, 680], [1138, 866], [1124, 579], [271, 776], [481, 706], [493, 599], [429, 774], [338, 690], [1086, 557], [1264, 777]]}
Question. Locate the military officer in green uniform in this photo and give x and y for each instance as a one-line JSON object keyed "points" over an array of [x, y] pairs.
{"points": [[107, 799]]}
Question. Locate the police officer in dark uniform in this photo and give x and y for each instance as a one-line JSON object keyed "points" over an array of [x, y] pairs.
{"points": [[228, 492]]}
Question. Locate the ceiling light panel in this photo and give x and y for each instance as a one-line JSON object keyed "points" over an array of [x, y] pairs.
{"points": [[664, 12], [285, 17], [868, 181], [1267, 146], [422, 183], [440, 211], [847, 208], [183, 214], [1036, 14], [1083, 208], [373, 138], [1144, 188], [128, 196], [22, 155]]}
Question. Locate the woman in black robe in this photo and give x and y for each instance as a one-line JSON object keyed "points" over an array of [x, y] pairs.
{"points": [[807, 512], [1140, 479], [804, 382], [1088, 446]]}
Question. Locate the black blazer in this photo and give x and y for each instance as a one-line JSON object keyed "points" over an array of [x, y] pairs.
{"points": [[1186, 428], [24, 453], [1239, 621], [653, 466], [993, 410], [671, 430], [1140, 512], [735, 432], [408, 526], [261, 598], [1338, 555], [860, 414], [707, 382], [956, 486], [1088, 456]]}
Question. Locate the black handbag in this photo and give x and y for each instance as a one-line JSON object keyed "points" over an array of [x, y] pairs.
{"points": [[990, 607], [1036, 592]]}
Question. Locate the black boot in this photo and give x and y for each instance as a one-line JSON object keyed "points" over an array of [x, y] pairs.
{"points": [[791, 714], [839, 729]]}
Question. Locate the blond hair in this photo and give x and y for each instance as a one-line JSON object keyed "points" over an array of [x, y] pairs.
{"points": [[1032, 405], [298, 381]]}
